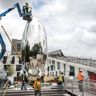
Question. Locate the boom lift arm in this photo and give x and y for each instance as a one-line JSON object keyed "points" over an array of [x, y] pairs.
{"points": [[26, 12], [3, 46]]}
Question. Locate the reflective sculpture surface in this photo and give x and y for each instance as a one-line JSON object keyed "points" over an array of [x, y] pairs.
{"points": [[34, 45]]}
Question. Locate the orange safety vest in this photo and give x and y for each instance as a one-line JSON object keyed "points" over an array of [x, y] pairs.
{"points": [[80, 76], [37, 85]]}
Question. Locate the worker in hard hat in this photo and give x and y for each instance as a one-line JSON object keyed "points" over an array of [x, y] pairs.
{"points": [[26, 9], [37, 87], [80, 78], [60, 81], [23, 85]]}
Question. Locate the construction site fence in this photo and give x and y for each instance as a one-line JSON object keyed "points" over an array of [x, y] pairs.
{"points": [[88, 88]]}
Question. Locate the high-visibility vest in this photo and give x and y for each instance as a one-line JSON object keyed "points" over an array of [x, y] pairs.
{"points": [[60, 78], [80, 76], [37, 85]]}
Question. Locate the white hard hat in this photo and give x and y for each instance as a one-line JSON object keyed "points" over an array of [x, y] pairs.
{"points": [[80, 70], [38, 78]]}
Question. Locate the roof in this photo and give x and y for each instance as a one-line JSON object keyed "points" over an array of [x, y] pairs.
{"points": [[56, 53]]}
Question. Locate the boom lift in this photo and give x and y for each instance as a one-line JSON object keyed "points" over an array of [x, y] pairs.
{"points": [[3, 46], [26, 12]]}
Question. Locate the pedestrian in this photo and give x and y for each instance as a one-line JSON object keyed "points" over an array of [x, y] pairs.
{"points": [[60, 81], [80, 78], [37, 87]]}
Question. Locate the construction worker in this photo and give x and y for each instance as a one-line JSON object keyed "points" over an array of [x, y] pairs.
{"points": [[26, 9], [80, 78], [37, 87], [23, 86], [60, 81]]}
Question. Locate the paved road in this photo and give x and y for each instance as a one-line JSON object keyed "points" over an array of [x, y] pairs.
{"points": [[46, 91]]}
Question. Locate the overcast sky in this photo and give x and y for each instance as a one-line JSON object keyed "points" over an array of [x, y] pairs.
{"points": [[70, 24]]}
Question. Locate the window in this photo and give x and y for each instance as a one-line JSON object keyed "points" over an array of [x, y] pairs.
{"points": [[4, 59], [51, 67], [64, 69], [48, 68], [18, 67], [53, 62], [13, 60], [58, 65], [72, 71], [18, 46]]}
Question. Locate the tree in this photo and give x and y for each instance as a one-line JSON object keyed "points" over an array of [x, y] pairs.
{"points": [[26, 52], [36, 49]]}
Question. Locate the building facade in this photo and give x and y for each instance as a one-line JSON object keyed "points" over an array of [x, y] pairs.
{"points": [[17, 44], [70, 66], [11, 66]]}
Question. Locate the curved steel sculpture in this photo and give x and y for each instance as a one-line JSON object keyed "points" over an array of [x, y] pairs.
{"points": [[34, 45]]}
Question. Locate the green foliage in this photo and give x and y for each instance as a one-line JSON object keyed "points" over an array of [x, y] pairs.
{"points": [[36, 49]]}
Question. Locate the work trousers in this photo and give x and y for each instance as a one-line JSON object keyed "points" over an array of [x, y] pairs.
{"points": [[23, 86], [37, 92], [80, 85], [60, 86]]}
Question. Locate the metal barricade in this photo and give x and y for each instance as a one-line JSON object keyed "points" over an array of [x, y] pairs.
{"points": [[85, 88]]}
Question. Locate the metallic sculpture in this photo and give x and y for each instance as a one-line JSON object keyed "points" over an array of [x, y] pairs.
{"points": [[34, 46]]}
